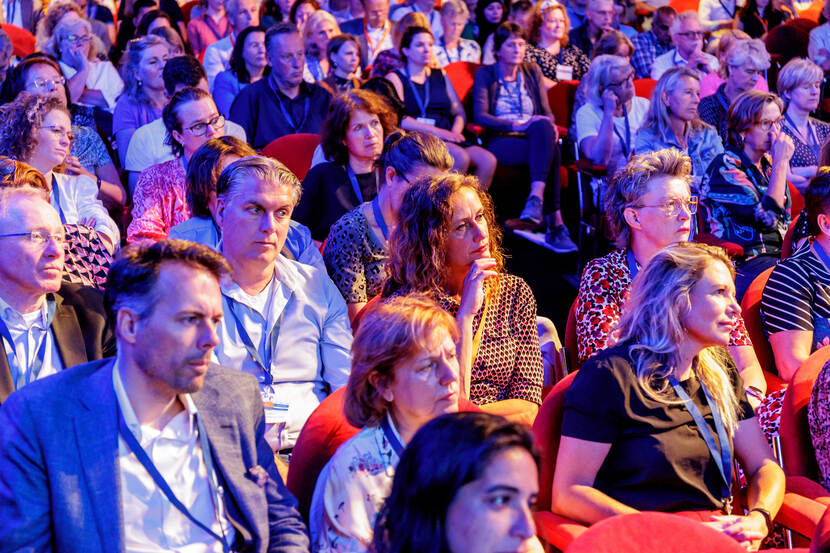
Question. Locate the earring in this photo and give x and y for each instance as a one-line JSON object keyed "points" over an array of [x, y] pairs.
{"points": [[139, 83]]}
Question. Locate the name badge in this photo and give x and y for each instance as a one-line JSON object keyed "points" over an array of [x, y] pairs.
{"points": [[275, 412], [427, 120], [564, 72]]}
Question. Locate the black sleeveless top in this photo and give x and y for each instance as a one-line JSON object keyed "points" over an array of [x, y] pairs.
{"points": [[439, 107]]}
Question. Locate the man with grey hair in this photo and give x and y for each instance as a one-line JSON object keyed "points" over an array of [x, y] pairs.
{"points": [[599, 18], [687, 36], [241, 14], [46, 325], [285, 322]]}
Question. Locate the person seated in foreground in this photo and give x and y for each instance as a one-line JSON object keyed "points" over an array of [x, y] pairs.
{"points": [[636, 434]]}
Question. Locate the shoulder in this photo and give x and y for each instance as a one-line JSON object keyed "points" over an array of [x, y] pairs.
{"points": [[608, 371], [226, 77], [228, 387], [86, 297], [56, 391], [325, 170], [349, 222], [486, 73], [162, 171]]}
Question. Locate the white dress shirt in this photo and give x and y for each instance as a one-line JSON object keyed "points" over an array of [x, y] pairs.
{"points": [[147, 147], [151, 522], [76, 199], [312, 354], [672, 58], [27, 330], [217, 58], [17, 12], [379, 40]]}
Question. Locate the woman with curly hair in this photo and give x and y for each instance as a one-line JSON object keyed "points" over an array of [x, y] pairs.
{"points": [[37, 130], [447, 244], [352, 138]]}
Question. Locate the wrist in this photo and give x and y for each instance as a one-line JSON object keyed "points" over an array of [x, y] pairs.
{"points": [[763, 516]]}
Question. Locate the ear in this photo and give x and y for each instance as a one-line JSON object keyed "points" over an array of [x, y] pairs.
{"points": [[823, 222], [665, 98], [177, 136], [219, 211], [126, 325], [389, 174], [381, 384], [632, 218]]}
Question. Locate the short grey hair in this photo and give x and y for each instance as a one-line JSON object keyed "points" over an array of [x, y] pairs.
{"points": [[454, 8], [681, 19], [797, 72], [752, 50], [11, 193], [64, 28], [599, 75], [260, 167]]}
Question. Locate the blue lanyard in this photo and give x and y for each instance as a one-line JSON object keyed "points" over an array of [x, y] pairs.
{"points": [[384, 228], [625, 143], [632, 263], [811, 140], [447, 52], [288, 118], [355, 185], [422, 104], [722, 100], [819, 249], [20, 377], [391, 437], [264, 364], [722, 458], [131, 441], [730, 14], [56, 199]]}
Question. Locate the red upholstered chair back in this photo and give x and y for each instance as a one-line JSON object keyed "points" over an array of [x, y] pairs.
{"points": [[806, 24], [684, 5], [561, 97], [789, 236], [787, 41], [295, 151], [644, 87], [796, 445], [751, 311], [571, 342], [546, 432], [652, 533], [461, 74], [796, 200], [187, 7], [821, 539], [23, 42]]}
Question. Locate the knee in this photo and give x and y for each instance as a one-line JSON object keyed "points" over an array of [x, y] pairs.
{"points": [[542, 129], [461, 158]]}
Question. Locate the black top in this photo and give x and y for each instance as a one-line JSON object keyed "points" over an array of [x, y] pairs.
{"points": [[439, 107], [753, 25], [328, 195], [658, 460]]}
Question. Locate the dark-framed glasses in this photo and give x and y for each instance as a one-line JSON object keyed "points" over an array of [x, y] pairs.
{"points": [[199, 129]]}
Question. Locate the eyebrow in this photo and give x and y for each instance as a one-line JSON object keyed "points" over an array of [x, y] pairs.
{"points": [[501, 488]]}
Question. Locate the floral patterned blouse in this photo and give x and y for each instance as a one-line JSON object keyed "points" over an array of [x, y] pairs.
{"points": [[818, 417], [159, 202], [350, 491], [603, 290], [569, 55]]}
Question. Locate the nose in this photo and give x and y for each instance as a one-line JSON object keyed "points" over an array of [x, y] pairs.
{"points": [[447, 372], [523, 526], [54, 249], [210, 336]]}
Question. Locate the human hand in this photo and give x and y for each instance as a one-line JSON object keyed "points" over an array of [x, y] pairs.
{"points": [[782, 148], [451, 136], [472, 291], [610, 101], [74, 57], [748, 530], [73, 166]]}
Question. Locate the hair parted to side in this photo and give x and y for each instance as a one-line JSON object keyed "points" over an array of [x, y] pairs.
{"points": [[543, 9], [203, 170], [131, 281], [170, 115], [796, 73], [342, 108], [817, 198], [409, 35], [131, 60], [338, 41], [311, 26], [21, 118], [746, 111], [652, 325], [445, 454], [389, 333], [631, 182], [599, 75], [260, 167], [418, 245], [658, 116], [407, 151]]}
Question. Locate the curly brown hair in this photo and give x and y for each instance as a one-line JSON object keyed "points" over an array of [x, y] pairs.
{"points": [[20, 119], [418, 245], [340, 114]]}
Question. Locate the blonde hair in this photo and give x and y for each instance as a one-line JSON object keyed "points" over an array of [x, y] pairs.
{"points": [[314, 20], [797, 72], [599, 76], [658, 118], [652, 325]]}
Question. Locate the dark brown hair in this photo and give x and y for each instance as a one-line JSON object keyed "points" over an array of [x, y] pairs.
{"points": [[341, 109]]}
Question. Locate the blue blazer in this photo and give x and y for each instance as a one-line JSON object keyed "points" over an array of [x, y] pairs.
{"points": [[59, 482]]}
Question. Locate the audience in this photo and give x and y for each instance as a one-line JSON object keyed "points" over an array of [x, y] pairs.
{"points": [[599, 15], [300, 11], [282, 103], [710, 82], [248, 64], [756, 18], [208, 27], [319, 28], [452, 47], [389, 60], [425, 7], [489, 15], [343, 53]]}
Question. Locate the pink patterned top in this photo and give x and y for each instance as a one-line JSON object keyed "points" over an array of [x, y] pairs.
{"points": [[159, 202], [604, 288]]}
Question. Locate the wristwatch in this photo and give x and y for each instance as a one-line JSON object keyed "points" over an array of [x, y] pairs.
{"points": [[755, 392], [767, 517]]}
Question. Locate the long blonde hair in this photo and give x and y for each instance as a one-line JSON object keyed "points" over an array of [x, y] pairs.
{"points": [[652, 326]]}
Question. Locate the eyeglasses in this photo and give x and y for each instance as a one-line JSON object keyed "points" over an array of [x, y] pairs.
{"points": [[38, 237], [199, 129], [49, 84], [78, 39], [629, 78], [673, 207], [767, 125], [59, 132], [693, 34]]}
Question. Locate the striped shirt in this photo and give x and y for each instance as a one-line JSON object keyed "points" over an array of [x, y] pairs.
{"points": [[797, 297]]}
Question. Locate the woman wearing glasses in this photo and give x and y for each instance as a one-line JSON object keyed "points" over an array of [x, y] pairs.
{"points": [[649, 207], [160, 199], [744, 192], [91, 81], [37, 130], [357, 248]]}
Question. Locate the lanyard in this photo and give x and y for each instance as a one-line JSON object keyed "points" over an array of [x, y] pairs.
{"points": [[819, 249], [632, 263], [384, 228], [811, 140], [391, 437], [723, 458], [355, 185], [131, 441], [288, 118], [373, 50], [264, 364], [731, 14], [20, 377], [56, 199], [210, 26], [722, 100], [625, 143], [447, 52], [422, 104]]}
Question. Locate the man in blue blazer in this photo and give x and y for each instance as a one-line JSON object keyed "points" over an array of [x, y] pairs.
{"points": [[155, 449]]}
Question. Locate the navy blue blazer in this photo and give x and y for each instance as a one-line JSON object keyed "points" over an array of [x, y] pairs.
{"points": [[59, 483]]}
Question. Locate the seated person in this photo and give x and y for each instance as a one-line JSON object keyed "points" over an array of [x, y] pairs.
{"points": [[744, 63], [373, 30], [687, 36], [203, 171], [451, 47], [599, 18], [357, 247], [549, 45], [316, 32], [49, 325], [283, 103], [709, 83], [447, 244], [817, 418], [191, 119], [511, 103], [248, 64], [635, 430], [352, 137], [648, 45], [285, 322], [799, 84], [343, 54], [744, 192], [241, 14], [404, 373], [757, 18], [448, 505], [37, 130], [672, 121], [208, 26]]}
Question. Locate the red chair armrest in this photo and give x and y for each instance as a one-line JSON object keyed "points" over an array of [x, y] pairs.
{"points": [[732, 249], [586, 166], [557, 530], [774, 382], [810, 489], [477, 130], [800, 514]]}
